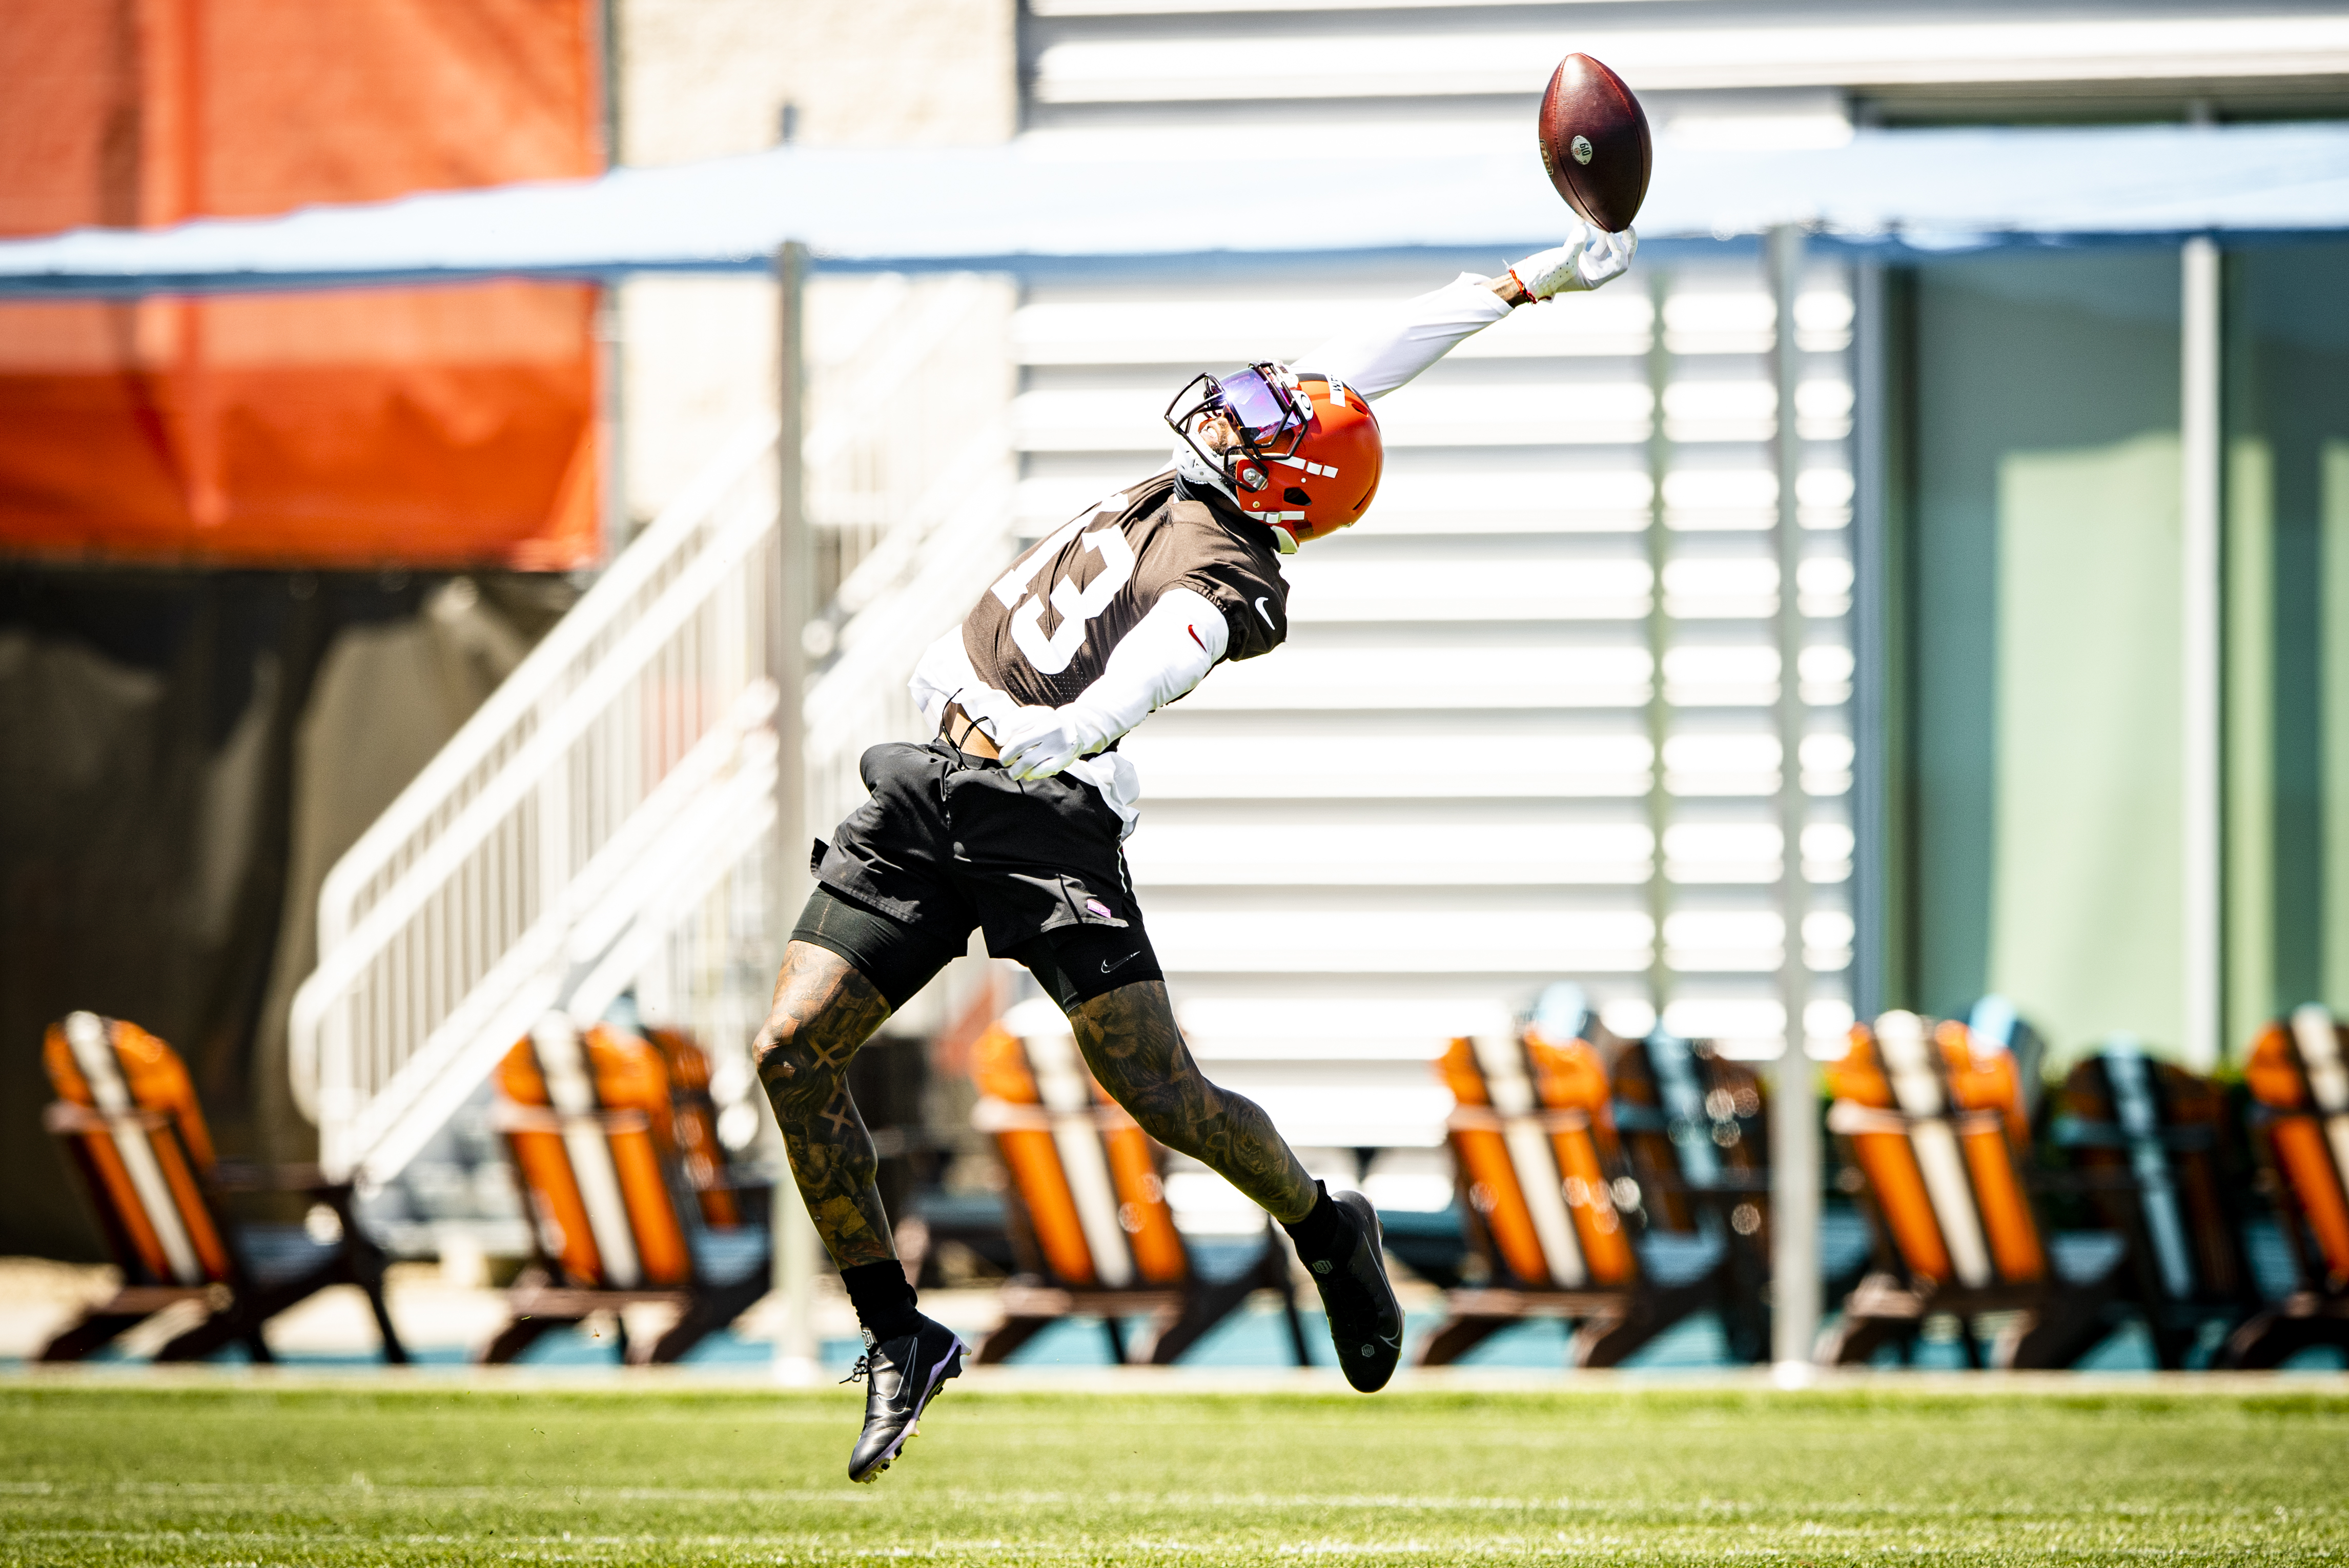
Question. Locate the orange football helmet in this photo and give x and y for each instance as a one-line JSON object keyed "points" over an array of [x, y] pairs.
{"points": [[1306, 456]]}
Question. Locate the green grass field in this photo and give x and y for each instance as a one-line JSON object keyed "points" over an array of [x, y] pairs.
{"points": [[119, 1475]]}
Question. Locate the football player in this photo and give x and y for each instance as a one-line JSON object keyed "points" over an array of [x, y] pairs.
{"points": [[1011, 819]]}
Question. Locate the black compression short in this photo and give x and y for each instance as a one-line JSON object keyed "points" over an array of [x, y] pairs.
{"points": [[1086, 961], [1075, 965], [948, 841], [898, 960]]}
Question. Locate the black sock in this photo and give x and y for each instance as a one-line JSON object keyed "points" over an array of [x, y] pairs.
{"points": [[883, 1298], [1323, 1232]]}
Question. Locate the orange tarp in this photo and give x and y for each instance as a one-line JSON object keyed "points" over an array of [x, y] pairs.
{"points": [[414, 426]]}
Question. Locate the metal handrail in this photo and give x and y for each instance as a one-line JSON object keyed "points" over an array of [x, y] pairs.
{"points": [[362, 1131], [749, 450], [538, 755]]}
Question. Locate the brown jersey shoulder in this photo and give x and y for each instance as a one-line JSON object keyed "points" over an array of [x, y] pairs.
{"points": [[1192, 547]]}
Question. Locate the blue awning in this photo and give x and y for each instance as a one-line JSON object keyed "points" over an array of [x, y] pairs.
{"points": [[1042, 202]]}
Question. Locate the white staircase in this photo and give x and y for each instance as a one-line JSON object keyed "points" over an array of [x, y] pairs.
{"points": [[605, 822], [621, 774]]}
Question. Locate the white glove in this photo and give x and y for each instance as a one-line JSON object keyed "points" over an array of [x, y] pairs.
{"points": [[1588, 258], [1039, 741]]}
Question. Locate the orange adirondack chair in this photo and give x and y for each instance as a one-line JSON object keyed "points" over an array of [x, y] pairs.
{"points": [[2150, 1142], [1549, 1203], [2298, 1078], [1932, 1118], [597, 1145], [127, 1114], [1086, 1206], [1692, 1126]]}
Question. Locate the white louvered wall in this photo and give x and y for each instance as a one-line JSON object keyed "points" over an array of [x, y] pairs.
{"points": [[1435, 798]]}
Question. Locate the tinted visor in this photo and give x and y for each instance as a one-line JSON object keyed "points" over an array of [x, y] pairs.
{"points": [[1264, 410]]}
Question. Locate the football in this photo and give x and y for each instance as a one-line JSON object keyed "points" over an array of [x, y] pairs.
{"points": [[1594, 142]]}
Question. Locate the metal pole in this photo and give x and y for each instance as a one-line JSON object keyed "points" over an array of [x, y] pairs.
{"points": [[2198, 639], [1795, 1177], [611, 355], [1871, 629], [795, 1243], [1660, 803]]}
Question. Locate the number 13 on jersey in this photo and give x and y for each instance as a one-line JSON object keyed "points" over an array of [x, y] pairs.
{"points": [[1076, 606]]}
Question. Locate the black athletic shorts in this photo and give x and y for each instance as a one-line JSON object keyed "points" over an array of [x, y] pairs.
{"points": [[950, 842]]}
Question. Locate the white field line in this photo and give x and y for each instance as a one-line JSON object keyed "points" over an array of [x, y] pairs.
{"points": [[1702, 1511], [1089, 1547], [346, 1492], [1510, 1548]]}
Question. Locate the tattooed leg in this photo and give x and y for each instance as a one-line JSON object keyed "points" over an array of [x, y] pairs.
{"points": [[823, 1011], [1129, 1041]]}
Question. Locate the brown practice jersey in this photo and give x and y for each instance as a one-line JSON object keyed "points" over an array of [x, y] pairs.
{"points": [[1044, 631]]}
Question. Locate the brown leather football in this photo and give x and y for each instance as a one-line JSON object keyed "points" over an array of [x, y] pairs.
{"points": [[1594, 142]]}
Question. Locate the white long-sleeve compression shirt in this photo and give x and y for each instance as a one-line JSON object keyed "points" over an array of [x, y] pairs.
{"points": [[1388, 345]]}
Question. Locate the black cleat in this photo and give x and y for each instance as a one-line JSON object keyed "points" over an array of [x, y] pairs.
{"points": [[901, 1377], [1365, 1319]]}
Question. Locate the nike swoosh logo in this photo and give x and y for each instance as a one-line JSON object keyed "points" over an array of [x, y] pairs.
{"points": [[1262, 611], [1109, 968]]}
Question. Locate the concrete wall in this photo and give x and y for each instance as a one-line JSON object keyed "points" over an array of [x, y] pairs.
{"points": [[706, 78], [701, 78]]}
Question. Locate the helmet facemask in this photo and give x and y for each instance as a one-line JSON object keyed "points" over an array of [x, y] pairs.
{"points": [[1263, 408]]}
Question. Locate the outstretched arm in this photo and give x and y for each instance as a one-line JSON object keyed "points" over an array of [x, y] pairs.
{"points": [[1168, 653], [1390, 347]]}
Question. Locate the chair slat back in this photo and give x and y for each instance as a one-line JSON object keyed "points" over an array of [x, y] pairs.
{"points": [[144, 1174], [1994, 1024], [2165, 1127], [1983, 1077], [1535, 1141], [1685, 1117], [596, 1175], [2137, 1113], [1944, 1180], [2300, 1078], [1680, 1093], [694, 1116], [1085, 1174]]}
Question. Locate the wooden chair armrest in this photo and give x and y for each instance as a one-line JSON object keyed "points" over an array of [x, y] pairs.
{"points": [[67, 1120], [1630, 1117], [993, 1115], [1728, 1184], [64, 1118], [2073, 1132], [506, 1116], [2115, 1178], [1484, 1118], [236, 1176], [1850, 1116], [894, 1143]]}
